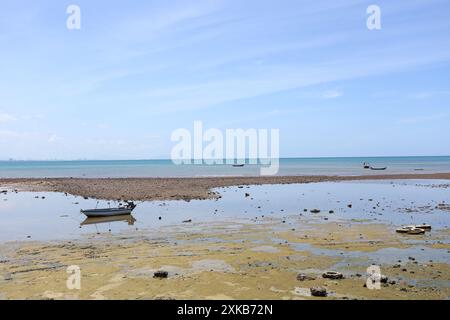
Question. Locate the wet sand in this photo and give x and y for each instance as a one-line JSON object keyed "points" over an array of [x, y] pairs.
{"points": [[227, 260], [255, 256], [176, 188]]}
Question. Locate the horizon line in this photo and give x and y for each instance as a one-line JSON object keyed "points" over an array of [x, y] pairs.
{"points": [[168, 159]]}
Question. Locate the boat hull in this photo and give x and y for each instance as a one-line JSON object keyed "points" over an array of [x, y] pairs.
{"points": [[106, 212]]}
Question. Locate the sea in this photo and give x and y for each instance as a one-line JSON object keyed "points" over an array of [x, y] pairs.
{"points": [[166, 168]]}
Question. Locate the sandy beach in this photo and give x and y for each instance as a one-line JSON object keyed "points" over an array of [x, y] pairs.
{"points": [[228, 261], [177, 188], [271, 244]]}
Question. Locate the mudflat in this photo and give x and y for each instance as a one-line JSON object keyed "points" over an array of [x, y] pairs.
{"points": [[176, 188], [230, 260]]}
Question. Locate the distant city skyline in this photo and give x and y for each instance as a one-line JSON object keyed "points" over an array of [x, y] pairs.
{"points": [[136, 71]]}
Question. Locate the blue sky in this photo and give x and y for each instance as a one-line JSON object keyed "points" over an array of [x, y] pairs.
{"points": [[137, 70]]}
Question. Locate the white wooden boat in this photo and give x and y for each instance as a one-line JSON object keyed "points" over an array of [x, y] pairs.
{"points": [[109, 212], [411, 230]]}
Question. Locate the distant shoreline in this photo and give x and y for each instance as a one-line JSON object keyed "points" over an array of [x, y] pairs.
{"points": [[182, 188]]}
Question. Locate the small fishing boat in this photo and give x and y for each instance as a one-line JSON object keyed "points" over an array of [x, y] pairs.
{"points": [[238, 165], [424, 226], [109, 212], [378, 168], [366, 165], [411, 230], [416, 231]]}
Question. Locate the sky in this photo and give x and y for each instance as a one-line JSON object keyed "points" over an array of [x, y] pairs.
{"points": [[138, 70]]}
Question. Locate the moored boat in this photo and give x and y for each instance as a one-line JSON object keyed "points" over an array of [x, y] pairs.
{"points": [[109, 212], [413, 229], [378, 168]]}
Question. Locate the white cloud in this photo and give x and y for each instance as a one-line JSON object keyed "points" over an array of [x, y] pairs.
{"points": [[331, 94], [429, 94], [53, 138], [420, 119], [5, 117]]}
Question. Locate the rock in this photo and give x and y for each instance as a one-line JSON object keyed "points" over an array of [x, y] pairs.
{"points": [[350, 205], [318, 291], [331, 211], [160, 274], [247, 194], [304, 277], [333, 275], [384, 279]]}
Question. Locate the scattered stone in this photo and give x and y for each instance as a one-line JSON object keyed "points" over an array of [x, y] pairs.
{"points": [[304, 277], [161, 274], [333, 275], [318, 291]]}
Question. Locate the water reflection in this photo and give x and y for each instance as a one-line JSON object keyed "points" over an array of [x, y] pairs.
{"points": [[98, 220], [52, 216]]}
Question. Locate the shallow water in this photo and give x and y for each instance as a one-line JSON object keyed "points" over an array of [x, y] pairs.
{"points": [[27, 216]]}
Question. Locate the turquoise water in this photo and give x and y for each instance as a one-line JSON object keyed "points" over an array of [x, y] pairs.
{"points": [[165, 168]]}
